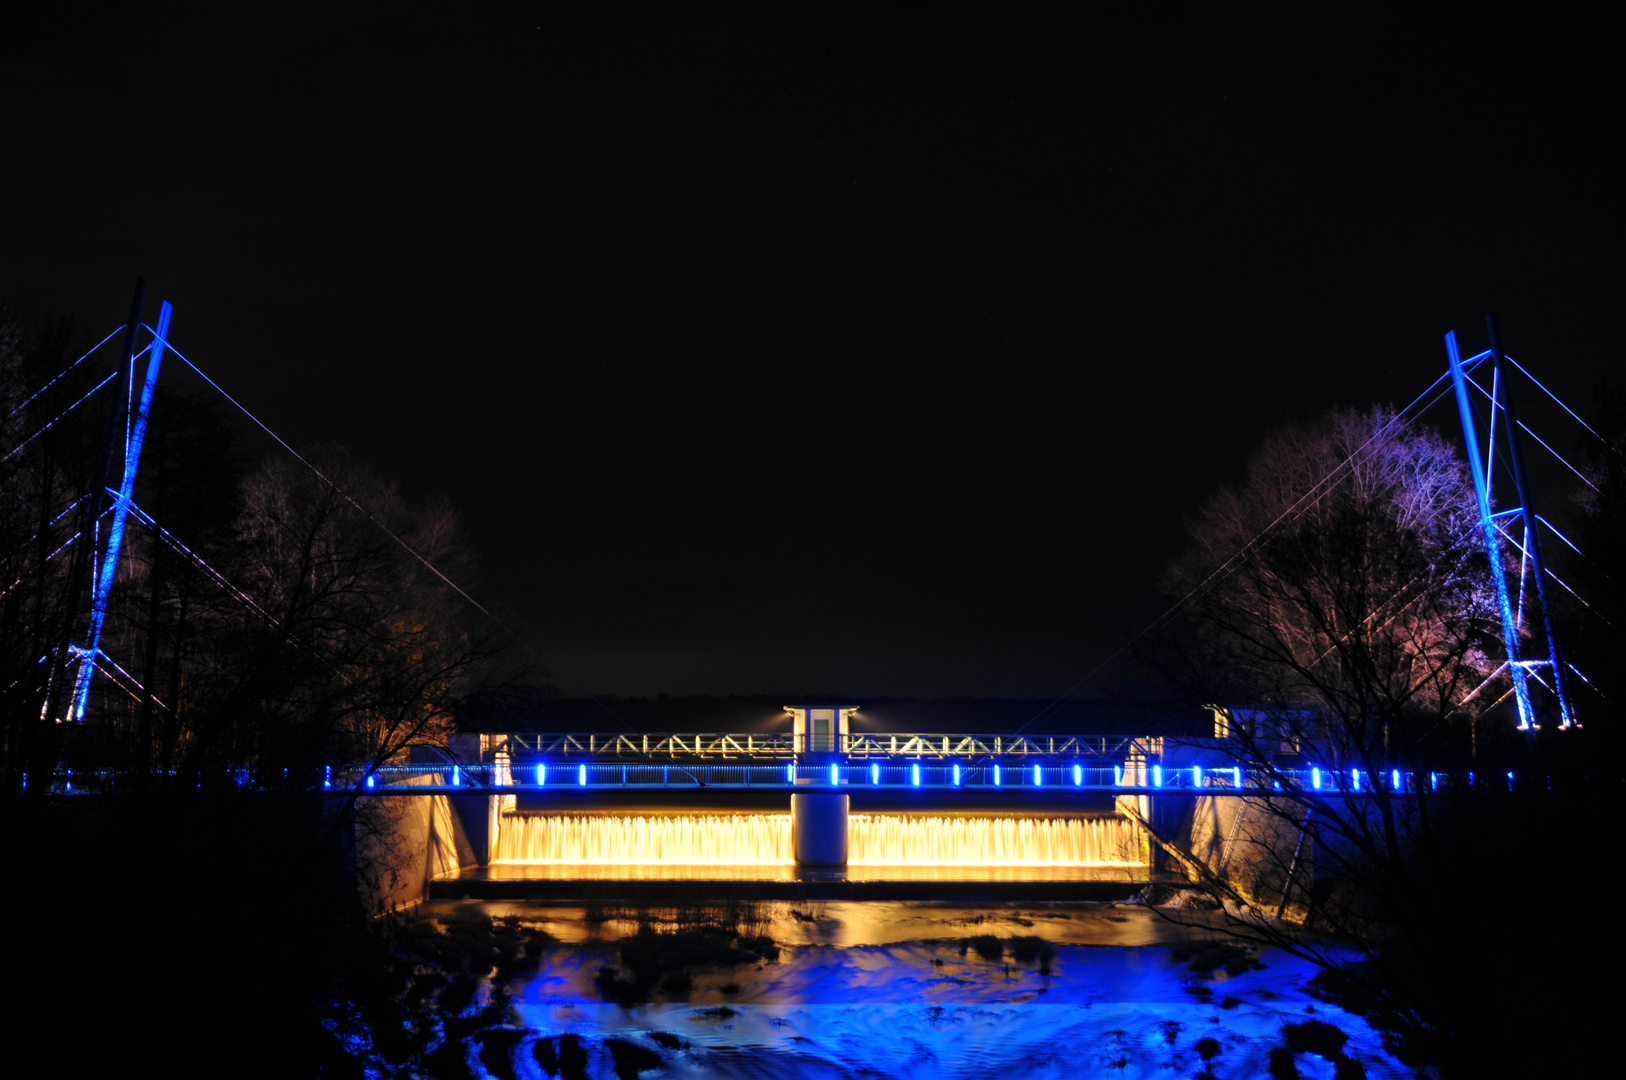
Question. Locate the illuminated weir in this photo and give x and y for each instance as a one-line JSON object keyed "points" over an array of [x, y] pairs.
{"points": [[612, 839], [765, 839], [959, 840]]}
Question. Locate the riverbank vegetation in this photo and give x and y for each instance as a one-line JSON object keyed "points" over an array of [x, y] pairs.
{"points": [[1335, 610]]}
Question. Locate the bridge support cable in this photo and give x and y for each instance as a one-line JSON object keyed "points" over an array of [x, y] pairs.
{"points": [[49, 424], [1493, 395], [1560, 401], [1404, 417], [408, 548], [59, 376], [197, 560]]}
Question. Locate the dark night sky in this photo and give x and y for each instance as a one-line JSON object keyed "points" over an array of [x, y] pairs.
{"points": [[850, 350]]}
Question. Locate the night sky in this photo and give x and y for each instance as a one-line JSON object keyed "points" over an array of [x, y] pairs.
{"points": [[848, 350]]}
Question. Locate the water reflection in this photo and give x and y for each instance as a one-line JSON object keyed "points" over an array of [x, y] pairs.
{"points": [[882, 988]]}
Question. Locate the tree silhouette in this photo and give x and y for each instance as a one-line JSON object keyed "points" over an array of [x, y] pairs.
{"points": [[1338, 615]]}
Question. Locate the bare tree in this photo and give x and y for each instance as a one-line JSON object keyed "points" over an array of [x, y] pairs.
{"points": [[1340, 618], [339, 642]]}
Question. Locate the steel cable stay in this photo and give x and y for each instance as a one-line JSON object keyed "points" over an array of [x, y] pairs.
{"points": [[63, 373], [1293, 512], [493, 617], [54, 521], [47, 560], [1566, 408], [198, 560], [1315, 493], [52, 422], [1520, 548], [60, 549], [1525, 428]]}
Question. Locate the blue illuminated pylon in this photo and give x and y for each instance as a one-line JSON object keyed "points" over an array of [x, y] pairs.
{"points": [[1530, 551], [103, 584]]}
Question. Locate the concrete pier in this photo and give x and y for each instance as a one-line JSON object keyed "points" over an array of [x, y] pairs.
{"points": [[819, 827]]}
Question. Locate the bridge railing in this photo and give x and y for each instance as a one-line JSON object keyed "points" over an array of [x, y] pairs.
{"points": [[786, 746], [1127, 777]]}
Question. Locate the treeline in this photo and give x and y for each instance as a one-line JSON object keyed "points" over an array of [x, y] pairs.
{"points": [[1356, 638], [263, 623]]}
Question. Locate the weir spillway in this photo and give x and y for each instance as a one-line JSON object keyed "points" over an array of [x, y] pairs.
{"points": [[927, 809], [767, 839]]}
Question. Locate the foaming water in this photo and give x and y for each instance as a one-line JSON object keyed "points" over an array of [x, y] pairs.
{"points": [[941, 840], [765, 839], [695, 839]]}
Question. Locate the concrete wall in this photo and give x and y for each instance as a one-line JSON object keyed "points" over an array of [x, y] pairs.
{"points": [[405, 842]]}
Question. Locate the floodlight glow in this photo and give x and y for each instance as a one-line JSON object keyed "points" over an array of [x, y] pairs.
{"points": [[790, 774], [1078, 775], [1236, 776], [956, 774], [1117, 776], [996, 775], [1510, 779], [1434, 781], [875, 774], [369, 781], [1196, 776], [327, 776], [541, 775], [581, 775], [1355, 779], [1394, 779], [1315, 778], [1157, 776], [914, 774], [1037, 779], [832, 773], [1470, 779]]}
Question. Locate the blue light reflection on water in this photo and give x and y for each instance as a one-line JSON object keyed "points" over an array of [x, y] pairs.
{"points": [[828, 1010]]}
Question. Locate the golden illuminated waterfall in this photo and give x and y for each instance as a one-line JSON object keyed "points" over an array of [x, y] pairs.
{"points": [[644, 838], [943, 840], [873, 839]]}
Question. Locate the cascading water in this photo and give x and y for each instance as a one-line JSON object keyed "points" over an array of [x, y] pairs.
{"points": [[943, 840], [765, 839], [737, 839]]}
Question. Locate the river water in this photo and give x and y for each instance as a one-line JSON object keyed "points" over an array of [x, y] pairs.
{"points": [[866, 989]]}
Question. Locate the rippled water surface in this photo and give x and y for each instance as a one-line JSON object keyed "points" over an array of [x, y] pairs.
{"points": [[881, 989]]}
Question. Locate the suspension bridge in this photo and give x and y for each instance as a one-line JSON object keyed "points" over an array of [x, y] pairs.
{"points": [[820, 768]]}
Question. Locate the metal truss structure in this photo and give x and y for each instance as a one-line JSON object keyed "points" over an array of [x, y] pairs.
{"points": [[785, 746], [1503, 446]]}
